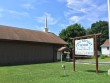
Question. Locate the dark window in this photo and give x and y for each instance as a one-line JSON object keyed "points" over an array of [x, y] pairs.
{"points": [[107, 48]]}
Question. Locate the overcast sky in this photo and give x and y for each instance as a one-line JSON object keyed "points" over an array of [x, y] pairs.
{"points": [[31, 14]]}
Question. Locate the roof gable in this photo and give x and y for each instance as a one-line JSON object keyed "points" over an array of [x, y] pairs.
{"points": [[13, 33], [106, 43]]}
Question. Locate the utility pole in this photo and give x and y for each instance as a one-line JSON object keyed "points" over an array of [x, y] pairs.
{"points": [[109, 23]]}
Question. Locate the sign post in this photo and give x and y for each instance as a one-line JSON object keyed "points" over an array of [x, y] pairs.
{"points": [[85, 47], [95, 52], [73, 53]]}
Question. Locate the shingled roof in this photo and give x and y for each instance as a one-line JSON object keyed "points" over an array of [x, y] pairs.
{"points": [[14, 33], [106, 43]]}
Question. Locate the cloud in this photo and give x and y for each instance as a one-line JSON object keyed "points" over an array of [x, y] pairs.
{"points": [[16, 13], [74, 19], [1, 12], [69, 2], [83, 11], [62, 26], [0, 15], [61, 0], [40, 28], [13, 13], [36, 1], [31, 4], [28, 6], [1, 9], [79, 4], [51, 20]]}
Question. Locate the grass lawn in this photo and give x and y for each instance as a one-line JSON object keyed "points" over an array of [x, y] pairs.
{"points": [[53, 73], [107, 59]]}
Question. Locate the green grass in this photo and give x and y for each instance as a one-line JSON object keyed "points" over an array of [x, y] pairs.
{"points": [[107, 59], [53, 73]]}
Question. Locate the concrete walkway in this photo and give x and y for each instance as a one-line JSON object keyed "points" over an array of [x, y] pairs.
{"points": [[88, 62]]}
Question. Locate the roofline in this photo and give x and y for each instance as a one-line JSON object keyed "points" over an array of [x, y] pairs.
{"points": [[31, 41], [26, 40], [23, 28]]}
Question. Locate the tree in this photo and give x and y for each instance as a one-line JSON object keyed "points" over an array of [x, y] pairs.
{"points": [[72, 31], [99, 27]]}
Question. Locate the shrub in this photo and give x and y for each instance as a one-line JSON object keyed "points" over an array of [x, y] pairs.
{"points": [[102, 56]]}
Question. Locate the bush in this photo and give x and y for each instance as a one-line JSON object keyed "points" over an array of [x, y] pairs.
{"points": [[102, 56]]}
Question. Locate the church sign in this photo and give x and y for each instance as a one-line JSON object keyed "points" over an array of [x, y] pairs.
{"points": [[84, 47]]}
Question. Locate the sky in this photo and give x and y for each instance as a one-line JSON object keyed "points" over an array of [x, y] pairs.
{"points": [[30, 14]]}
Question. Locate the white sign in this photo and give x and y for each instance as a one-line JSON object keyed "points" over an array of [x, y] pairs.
{"points": [[84, 47]]}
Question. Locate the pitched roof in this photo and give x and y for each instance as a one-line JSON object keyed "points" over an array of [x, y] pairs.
{"points": [[63, 49], [106, 43], [13, 33]]}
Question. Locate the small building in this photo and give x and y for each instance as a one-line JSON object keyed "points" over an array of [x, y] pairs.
{"points": [[61, 52], [105, 47], [24, 46]]}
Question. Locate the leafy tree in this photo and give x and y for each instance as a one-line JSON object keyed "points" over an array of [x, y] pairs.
{"points": [[72, 31], [99, 27]]}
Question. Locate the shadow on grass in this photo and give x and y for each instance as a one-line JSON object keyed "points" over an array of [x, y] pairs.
{"points": [[21, 64], [99, 71], [64, 75]]}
